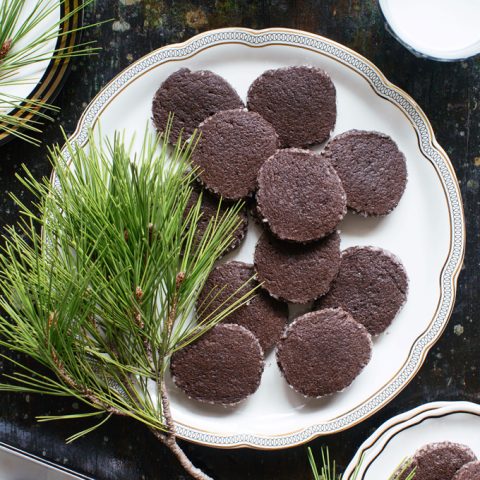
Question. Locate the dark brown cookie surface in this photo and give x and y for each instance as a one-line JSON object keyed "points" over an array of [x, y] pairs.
{"points": [[372, 169], [300, 102], [300, 196], [224, 366], [297, 273], [191, 97], [264, 316], [371, 284], [323, 352], [436, 461], [210, 209], [470, 471], [232, 147]]}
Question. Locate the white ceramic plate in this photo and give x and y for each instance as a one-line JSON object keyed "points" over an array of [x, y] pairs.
{"points": [[400, 436], [426, 230], [42, 80], [31, 74]]}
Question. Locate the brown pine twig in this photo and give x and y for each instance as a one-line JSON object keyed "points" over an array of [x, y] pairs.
{"points": [[52, 321], [182, 458], [169, 439], [86, 392]]}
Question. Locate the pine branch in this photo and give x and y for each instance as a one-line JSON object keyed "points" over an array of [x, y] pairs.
{"points": [[169, 439], [328, 470], [106, 293]]}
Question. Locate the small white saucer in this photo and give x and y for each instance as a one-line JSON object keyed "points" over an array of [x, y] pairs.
{"points": [[399, 437], [438, 29]]}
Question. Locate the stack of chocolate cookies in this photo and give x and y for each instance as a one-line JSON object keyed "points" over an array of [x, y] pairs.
{"points": [[260, 154]]}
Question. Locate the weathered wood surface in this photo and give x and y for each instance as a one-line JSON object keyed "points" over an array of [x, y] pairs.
{"points": [[449, 94]]}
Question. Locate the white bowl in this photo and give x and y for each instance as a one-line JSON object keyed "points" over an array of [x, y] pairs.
{"points": [[438, 29]]}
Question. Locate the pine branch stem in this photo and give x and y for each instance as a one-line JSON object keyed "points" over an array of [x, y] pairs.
{"points": [[182, 458], [167, 414], [172, 315], [148, 350], [86, 392], [170, 440], [62, 373]]}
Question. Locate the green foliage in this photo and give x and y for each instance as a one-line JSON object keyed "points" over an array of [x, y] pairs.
{"points": [[106, 292], [20, 49], [328, 470]]}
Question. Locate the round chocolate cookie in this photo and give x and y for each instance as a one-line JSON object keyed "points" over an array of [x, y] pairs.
{"points": [[224, 366], [191, 97], [209, 210], [372, 285], [470, 471], [438, 460], [264, 316], [297, 273], [233, 146], [300, 196], [372, 169], [300, 102], [323, 352]]}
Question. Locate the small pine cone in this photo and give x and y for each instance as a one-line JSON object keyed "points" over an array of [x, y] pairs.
{"points": [[5, 48], [179, 279]]}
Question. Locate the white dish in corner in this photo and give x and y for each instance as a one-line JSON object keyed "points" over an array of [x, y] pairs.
{"points": [[399, 437], [42, 80]]}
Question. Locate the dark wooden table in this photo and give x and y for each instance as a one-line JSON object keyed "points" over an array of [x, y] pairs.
{"points": [[449, 94]]}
